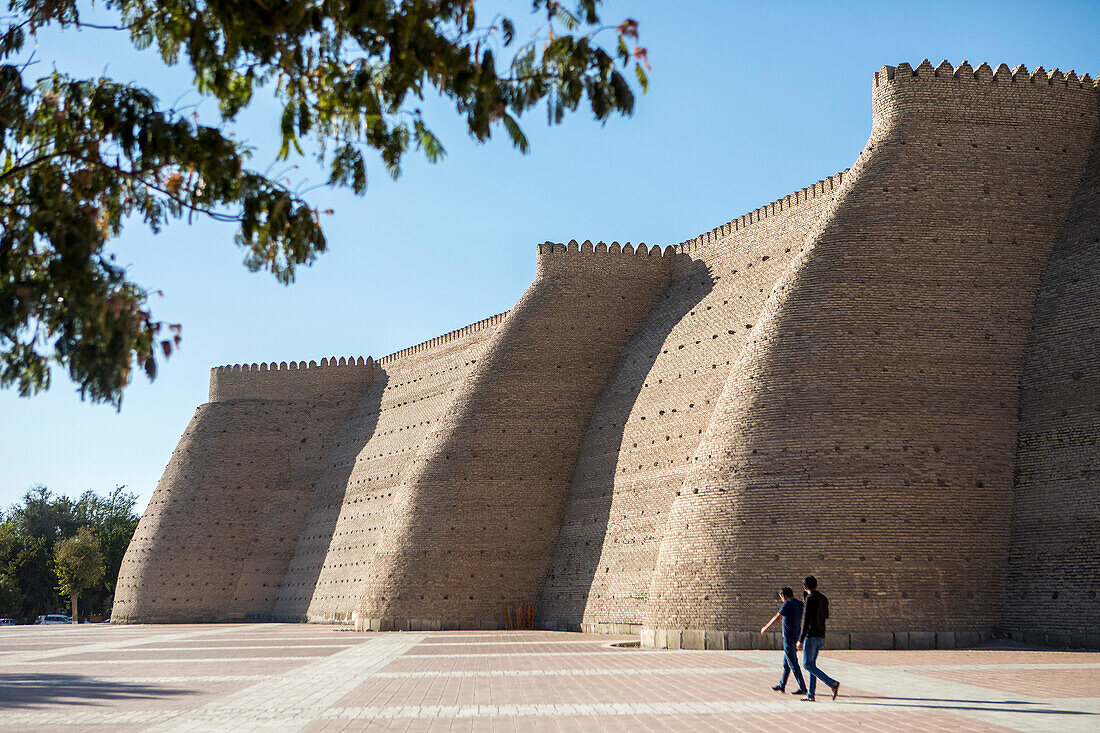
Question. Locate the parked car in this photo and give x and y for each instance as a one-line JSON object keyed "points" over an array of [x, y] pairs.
{"points": [[7, 622], [53, 618]]}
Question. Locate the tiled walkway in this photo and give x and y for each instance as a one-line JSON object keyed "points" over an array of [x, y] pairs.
{"points": [[283, 677]]}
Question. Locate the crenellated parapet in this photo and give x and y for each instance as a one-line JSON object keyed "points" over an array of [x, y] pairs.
{"points": [[971, 95], [293, 380], [825, 187], [985, 73], [294, 365], [490, 322], [641, 250], [556, 259]]}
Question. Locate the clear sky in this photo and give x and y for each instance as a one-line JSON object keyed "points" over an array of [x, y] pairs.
{"points": [[747, 102]]}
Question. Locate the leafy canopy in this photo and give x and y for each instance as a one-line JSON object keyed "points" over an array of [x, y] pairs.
{"points": [[79, 562], [29, 535], [81, 158]]}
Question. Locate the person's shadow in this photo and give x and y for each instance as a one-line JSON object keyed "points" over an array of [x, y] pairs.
{"points": [[953, 704]]}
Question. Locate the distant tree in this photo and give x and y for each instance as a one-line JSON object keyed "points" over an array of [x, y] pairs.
{"points": [[114, 520], [27, 538], [30, 531], [83, 157], [79, 565], [11, 600]]}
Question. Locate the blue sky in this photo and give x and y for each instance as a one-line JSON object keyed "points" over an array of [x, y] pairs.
{"points": [[747, 102]]}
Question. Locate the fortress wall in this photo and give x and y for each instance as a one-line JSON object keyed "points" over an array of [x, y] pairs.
{"points": [[1054, 560], [652, 411], [218, 533], [293, 381], [474, 521], [411, 391], [867, 432]]}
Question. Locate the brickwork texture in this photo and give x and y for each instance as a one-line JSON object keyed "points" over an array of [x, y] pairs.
{"points": [[888, 379]]}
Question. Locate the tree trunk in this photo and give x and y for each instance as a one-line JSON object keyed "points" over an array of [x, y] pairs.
{"points": [[74, 609]]}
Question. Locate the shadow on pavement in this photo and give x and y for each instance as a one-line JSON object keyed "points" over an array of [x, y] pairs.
{"points": [[942, 699], [931, 703], [38, 690]]}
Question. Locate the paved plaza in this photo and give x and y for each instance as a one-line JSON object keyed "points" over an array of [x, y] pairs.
{"points": [[287, 677]]}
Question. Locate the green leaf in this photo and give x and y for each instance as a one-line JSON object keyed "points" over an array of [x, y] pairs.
{"points": [[515, 132]]}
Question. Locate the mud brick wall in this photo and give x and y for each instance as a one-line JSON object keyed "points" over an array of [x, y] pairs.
{"points": [[1054, 561], [219, 531], [473, 525], [888, 378], [867, 433], [411, 391], [652, 411]]}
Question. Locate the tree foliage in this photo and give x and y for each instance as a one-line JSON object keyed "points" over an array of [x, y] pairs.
{"points": [[30, 533], [84, 157], [78, 562]]}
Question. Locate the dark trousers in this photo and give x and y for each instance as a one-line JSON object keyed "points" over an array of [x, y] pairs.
{"points": [[811, 645], [790, 664]]}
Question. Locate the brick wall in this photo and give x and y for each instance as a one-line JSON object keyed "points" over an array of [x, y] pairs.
{"points": [[350, 507], [658, 440], [216, 538], [867, 434], [653, 409], [474, 523], [1054, 562]]}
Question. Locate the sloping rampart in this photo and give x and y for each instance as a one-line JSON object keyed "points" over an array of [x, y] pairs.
{"points": [[1054, 561], [216, 538], [474, 521], [411, 391], [653, 409], [867, 433]]}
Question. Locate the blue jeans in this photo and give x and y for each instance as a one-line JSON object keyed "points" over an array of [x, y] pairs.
{"points": [[790, 664], [811, 645]]}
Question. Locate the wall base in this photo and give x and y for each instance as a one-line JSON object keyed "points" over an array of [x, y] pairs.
{"points": [[721, 639], [427, 624], [1081, 640]]}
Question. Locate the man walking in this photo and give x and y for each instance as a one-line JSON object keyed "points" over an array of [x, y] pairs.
{"points": [[813, 636], [791, 613]]}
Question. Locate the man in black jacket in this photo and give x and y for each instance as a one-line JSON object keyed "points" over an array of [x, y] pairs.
{"points": [[813, 636]]}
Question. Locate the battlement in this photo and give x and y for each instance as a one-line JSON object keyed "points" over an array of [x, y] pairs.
{"points": [[984, 73], [350, 361], [554, 248], [573, 258], [807, 193], [288, 380], [926, 95], [440, 340]]}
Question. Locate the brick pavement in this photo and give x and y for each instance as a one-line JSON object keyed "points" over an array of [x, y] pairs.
{"points": [[276, 677]]}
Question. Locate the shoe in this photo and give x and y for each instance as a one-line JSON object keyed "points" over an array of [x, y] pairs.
{"points": [[836, 689], [778, 688], [808, 699], [799, 692]]}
